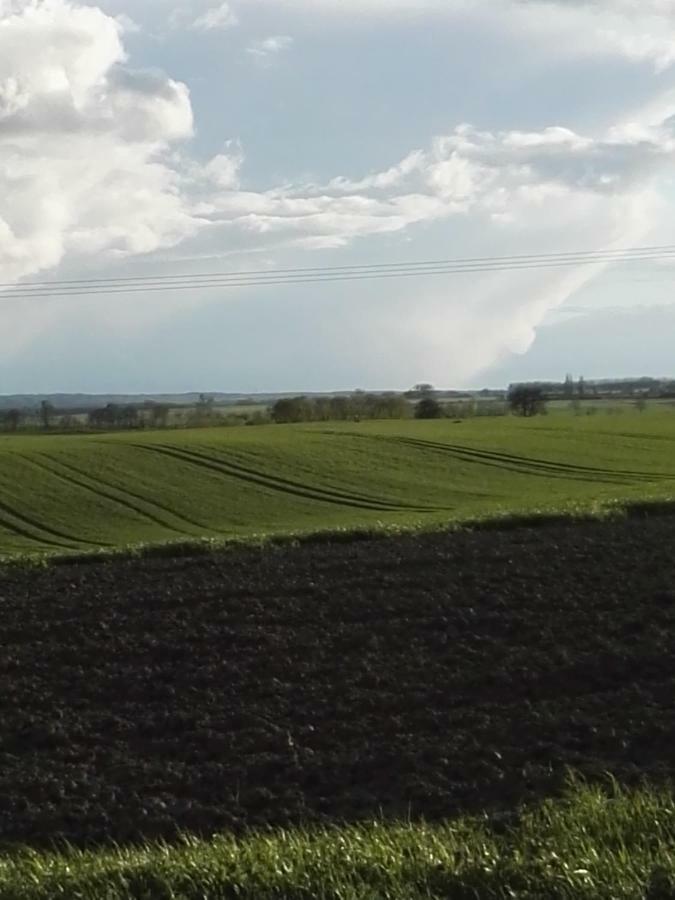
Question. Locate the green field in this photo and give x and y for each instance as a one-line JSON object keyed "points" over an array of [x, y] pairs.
{"points": [[61, 494]]}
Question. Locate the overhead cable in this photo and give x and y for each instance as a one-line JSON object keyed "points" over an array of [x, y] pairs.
{"points": [[322, 274]]}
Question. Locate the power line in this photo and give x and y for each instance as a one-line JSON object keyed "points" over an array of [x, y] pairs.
{"points": [[321, 274], [658, 250], [582, 254]]}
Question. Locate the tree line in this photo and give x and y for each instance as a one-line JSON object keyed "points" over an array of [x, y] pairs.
{"points": [[422, 402], [359, 405], [126, 416]]}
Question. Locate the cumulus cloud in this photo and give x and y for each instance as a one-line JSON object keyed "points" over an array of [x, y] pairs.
{"points": [[550, 187], [505, 177], [88, 160], [85, 162], [266, 48], [218, 17], [222, 170], [93, 163]]}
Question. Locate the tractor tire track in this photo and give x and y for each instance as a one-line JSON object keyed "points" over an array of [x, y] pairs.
{"points": [[94, 488], [23, 532], [179, 517], [550, 464], [244, 471], [279, 485], [35, 531], [271, 482], [519, 464], [385, 505]]}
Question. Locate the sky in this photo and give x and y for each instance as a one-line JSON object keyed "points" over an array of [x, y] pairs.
{"points": [[157, 137]]}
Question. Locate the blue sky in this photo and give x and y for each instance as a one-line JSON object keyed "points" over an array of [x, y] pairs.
{"points": [[163, 137]]}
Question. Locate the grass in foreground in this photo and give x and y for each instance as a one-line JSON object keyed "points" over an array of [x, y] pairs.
{"points": [[593, 843]]}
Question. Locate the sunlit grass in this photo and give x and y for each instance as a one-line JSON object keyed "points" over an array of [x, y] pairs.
{"points": [[593, 843]]}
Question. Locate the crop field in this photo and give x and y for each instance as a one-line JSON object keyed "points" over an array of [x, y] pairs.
{"points": [[402, 679], [358, 713], [61, 494]]}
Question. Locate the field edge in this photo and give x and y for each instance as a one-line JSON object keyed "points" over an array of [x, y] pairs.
{"points": [[597, 841], [596, 511]]}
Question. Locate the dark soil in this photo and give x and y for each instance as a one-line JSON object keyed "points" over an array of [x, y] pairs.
{"points": [[415, 676]]}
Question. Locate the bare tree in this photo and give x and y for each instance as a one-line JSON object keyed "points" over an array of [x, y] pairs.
{"points": [[46, 414], [159, 415], [12, 419]]}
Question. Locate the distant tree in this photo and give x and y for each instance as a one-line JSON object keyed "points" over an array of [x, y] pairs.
{"points": [[428, 408], [112, 415], [581, 388], [128, 416], [358, 405], [340, 408], [46, 414], [422, 389], [204, 412], [526, 400], [391, 406], [568, 387], [159, 415], [641, 404], [321, 409], [12, 419], [291, 409], [99, 418], [205, 406]]}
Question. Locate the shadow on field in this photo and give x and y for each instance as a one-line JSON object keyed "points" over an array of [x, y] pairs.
{"points": [[401, 677]]}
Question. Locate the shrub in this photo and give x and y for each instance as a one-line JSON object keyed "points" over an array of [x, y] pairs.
{"points": [[428, 408]]}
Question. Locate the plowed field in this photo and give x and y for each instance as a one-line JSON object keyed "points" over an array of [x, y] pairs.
{"points": [[403, 677]]}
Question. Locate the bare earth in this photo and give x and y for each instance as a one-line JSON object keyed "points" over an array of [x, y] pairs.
{"points": [[412, 676]]}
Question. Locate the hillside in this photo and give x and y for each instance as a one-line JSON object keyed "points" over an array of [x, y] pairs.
{"points": [[92, 492]]}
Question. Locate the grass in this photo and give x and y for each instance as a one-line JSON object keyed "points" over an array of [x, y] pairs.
{"points": [[168, 491], [593, 843], [90, 493]]}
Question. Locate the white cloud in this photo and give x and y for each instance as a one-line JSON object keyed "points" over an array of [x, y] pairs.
{"points": [[221, 171], [218, 17], [381, 180], [505, 177], [554, 188], [638, 30], [85, 159], [268, 47], [92, 165]]}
